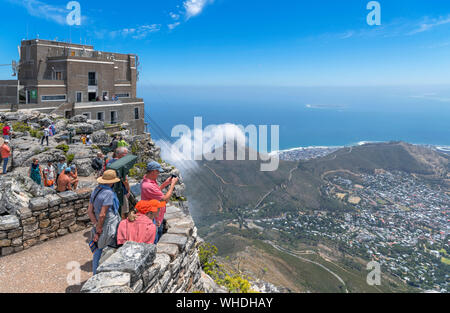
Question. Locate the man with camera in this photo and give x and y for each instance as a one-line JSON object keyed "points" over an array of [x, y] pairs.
{"points": [[150, 190]]}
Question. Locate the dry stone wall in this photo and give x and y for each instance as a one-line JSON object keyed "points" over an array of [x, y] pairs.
{"points": [[45, 218], [171, 266]]}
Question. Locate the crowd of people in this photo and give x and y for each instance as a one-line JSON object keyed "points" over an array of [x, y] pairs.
{"points": [[114, 223]]}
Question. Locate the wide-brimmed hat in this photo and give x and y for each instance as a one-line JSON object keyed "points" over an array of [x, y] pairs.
{"points": [[145, 206], [109, 177]]}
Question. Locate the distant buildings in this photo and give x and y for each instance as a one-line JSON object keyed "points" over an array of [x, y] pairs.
{"points": [[72, 79]]}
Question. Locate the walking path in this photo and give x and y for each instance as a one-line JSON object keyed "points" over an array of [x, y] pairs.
{"points": [[42, 268]]}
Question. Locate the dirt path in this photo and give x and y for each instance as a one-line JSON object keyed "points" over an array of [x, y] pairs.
{"points": [[310, 261], [42, 268]]}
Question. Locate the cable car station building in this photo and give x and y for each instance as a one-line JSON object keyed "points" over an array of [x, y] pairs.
{"points": [[71, 79]]}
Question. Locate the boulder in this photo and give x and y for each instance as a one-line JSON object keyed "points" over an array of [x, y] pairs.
{"points": [[131, 258], [83, 128], [100, 137], [84, 167], [97, 283], [78, 119], [98, 125]]}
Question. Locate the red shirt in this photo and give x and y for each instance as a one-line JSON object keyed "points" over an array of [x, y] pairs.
{"points": [[6, 130], [5, 151], [151, 191], [142, 230]]}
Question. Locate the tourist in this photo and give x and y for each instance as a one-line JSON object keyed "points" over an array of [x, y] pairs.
{"points": [[50, 131], [97, 164], [113, 144], [74, 175], [103, 211], [45, 136], [88, 140], [5, 151], [83, 139], [35, 171], [66, 182], [52, 127], [140, 227], [122, 143], [151, 191], [49, 175], [60, 167], [118, 154], [7, 131]]}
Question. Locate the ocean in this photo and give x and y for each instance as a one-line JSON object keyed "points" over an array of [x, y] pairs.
{"points": [[308, 116]]}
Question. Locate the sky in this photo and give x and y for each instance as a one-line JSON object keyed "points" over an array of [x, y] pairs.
{"points": [[250, 43]]}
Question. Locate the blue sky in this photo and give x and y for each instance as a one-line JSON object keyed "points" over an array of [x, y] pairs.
{"points": [[244, 42]]}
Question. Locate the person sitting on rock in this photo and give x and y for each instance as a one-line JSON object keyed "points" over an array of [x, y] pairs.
{"points": [[140, 226], [66, 182], [60, 167], [35, 172], [49, 175], [150, 190]]}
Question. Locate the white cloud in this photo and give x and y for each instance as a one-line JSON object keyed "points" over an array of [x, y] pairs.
{"points": [[172, 26], [140, 32], [428, 24], [195, 7], [174, 16], [42, 10]]}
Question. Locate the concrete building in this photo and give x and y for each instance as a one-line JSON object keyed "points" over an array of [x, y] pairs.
{"points": [[72, 79]]}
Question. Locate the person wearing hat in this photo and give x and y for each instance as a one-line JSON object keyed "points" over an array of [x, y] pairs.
{"points": [[139, 227], [65, 182], [5, 152], [103, 212], [150, 190]]}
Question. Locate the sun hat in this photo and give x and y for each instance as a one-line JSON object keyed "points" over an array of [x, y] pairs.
{"points": [[109, 177], [145, 206], [154, 166]]}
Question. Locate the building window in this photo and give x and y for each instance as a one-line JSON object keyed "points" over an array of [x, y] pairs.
{"points": [[79, 96], [87, 114], [114, 117], [101, 116], [136, 113], [58, 76], [54, 98], [92, 79], [123, 95]]}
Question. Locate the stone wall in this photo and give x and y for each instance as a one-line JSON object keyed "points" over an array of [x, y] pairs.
{"points": [[170, 266], [45, 218]]}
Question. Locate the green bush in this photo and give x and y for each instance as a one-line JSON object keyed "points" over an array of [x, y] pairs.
{"points": [[36, 133], [231, 280], [70, 158], [21, 127], [63, 147]]}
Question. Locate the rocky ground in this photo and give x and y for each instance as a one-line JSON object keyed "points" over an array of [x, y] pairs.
{"points": [[16, 188]]}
